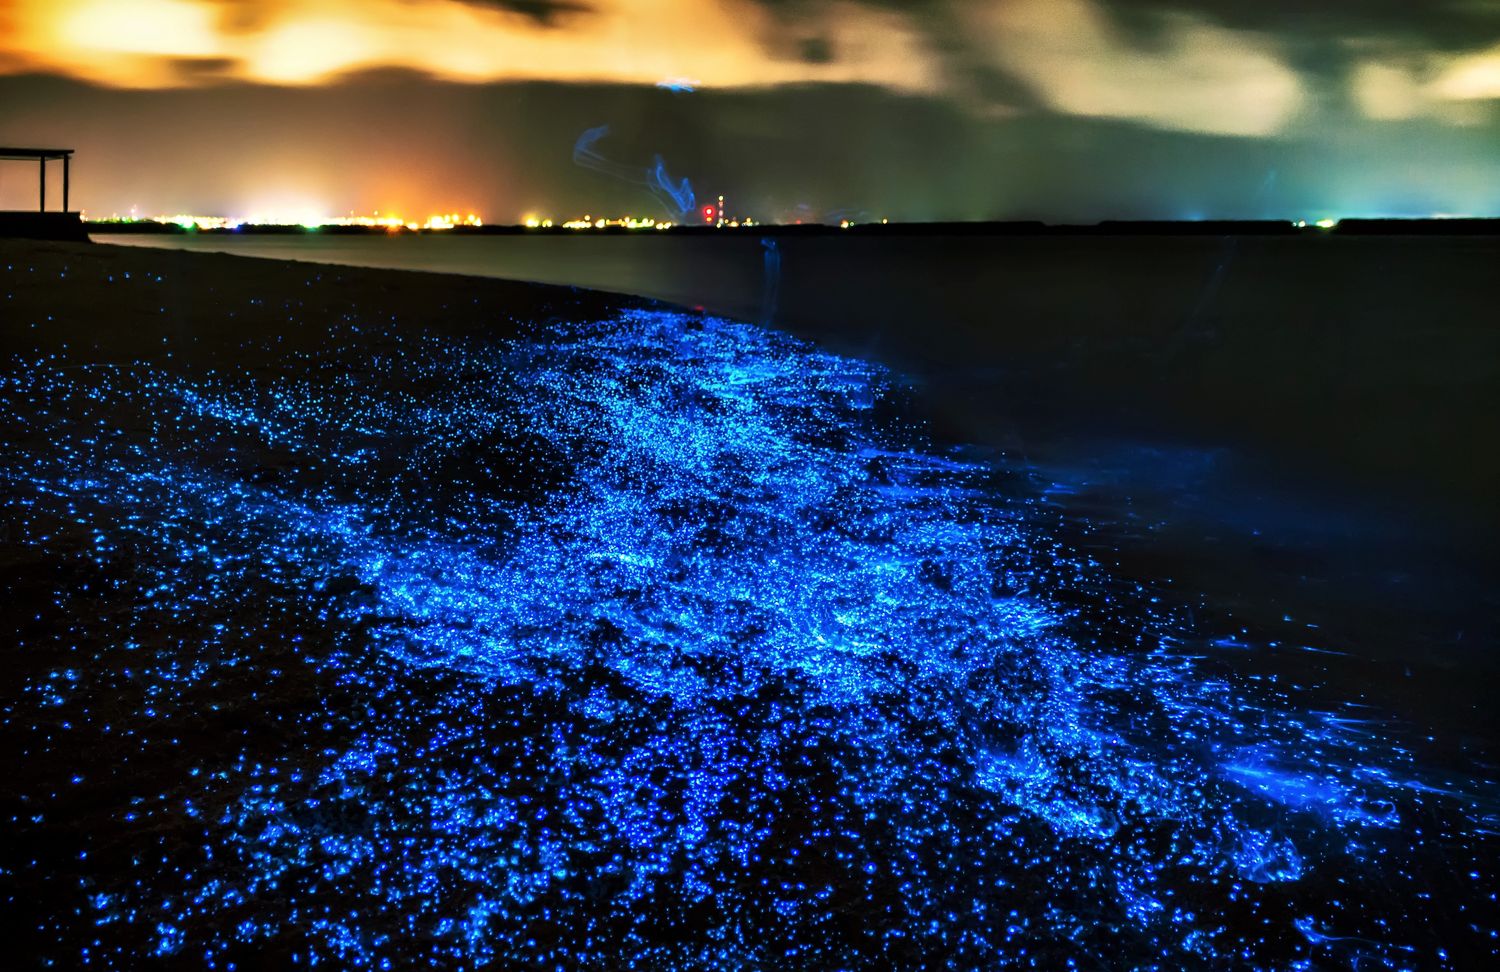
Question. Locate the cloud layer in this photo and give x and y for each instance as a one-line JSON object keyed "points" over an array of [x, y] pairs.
{"points": [[1196, 76], [1218, 67], [165, 43]]}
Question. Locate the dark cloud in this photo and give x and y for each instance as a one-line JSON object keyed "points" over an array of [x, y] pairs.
{"points": [[1315, 59], [818, 50], [201, 68], [1319, 37], [1450, 24], [1447, 24], [965, 66], [548, 13], [1100, 123], [505, 149]]}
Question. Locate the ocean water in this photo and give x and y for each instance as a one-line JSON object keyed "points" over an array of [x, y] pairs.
{"points": [[1300, 422], [1366, 360], [992, 629]]}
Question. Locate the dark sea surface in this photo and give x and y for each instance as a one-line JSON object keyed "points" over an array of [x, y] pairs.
{"points": [[1306, 423], [1067, 604]]}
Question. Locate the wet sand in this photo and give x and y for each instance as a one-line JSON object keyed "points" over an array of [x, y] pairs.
{"points": [[91, 304]]}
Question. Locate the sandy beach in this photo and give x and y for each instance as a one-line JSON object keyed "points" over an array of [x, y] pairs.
{"points": [[107, 304], [373, 617]]}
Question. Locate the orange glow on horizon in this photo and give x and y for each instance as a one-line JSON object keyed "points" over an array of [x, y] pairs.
{"points": [[388, 221]]}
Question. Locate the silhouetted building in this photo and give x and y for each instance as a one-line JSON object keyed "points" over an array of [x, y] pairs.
{"points": [[41, 224]]}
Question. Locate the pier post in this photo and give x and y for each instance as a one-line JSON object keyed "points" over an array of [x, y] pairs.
{"points": [[41, 166], [66, 160]]}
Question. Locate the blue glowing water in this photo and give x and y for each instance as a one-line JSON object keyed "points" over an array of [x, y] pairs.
{"points": [[771, 294], [658, 642]]}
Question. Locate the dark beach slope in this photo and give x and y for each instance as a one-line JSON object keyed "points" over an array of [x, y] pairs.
{"points": [[92, 304], [385, 619]]}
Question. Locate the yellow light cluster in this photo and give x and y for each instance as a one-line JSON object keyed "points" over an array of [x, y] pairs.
{"points": [[589, 222], [447, 221], [376, 221], [626, 222], [442, 221], [197, 222]]}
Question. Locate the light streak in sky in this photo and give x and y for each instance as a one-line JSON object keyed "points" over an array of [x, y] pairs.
{"points": [[676, 196]]}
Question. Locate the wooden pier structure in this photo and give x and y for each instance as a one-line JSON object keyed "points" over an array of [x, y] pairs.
{"points": [[42, 224]]}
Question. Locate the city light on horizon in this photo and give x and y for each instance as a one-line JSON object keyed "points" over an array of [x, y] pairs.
{"points": [[443, 222], [439, 221]]}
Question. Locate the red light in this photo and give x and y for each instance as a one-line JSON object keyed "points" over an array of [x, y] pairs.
{"points": [[708, 214]]}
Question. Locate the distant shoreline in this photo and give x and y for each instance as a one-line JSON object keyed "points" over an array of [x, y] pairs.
{"points": [[1347, 227]]}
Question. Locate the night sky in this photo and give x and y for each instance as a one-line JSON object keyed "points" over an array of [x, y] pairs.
{"points": [[812, 109]]}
